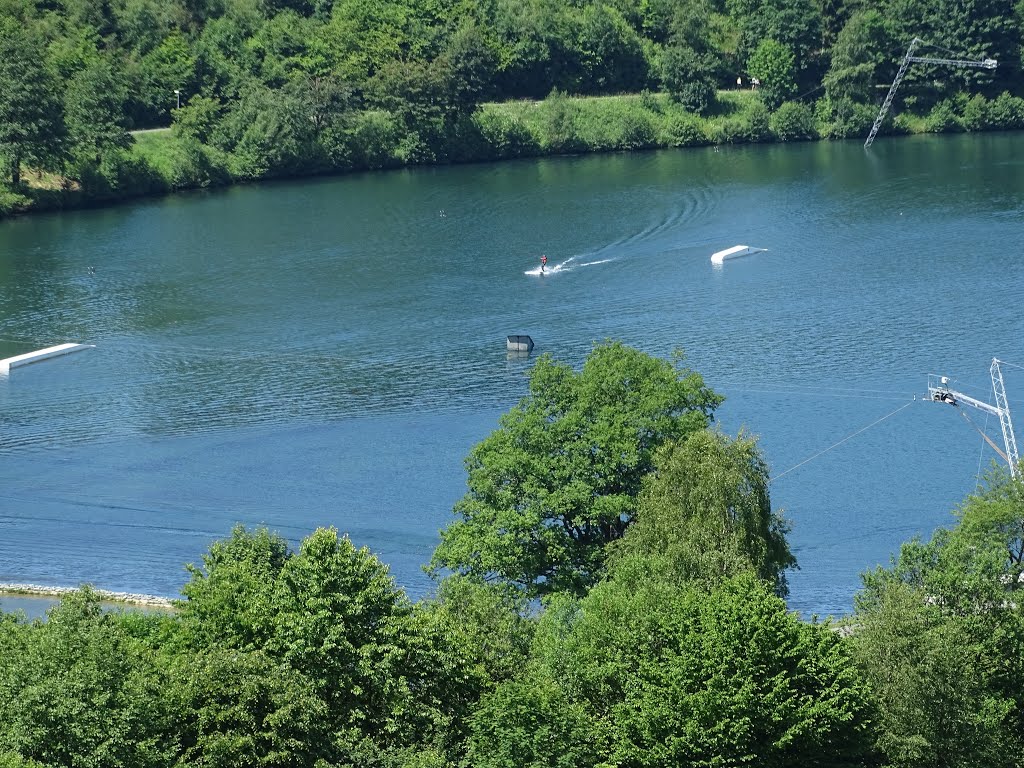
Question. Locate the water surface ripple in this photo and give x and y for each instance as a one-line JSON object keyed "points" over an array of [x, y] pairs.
{"points": [[327, 352]]}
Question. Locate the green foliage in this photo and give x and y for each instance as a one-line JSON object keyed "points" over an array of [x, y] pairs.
{"points": [[684, 130], [375, 137], [610, 52], [352, 673], [94, 110], [656, 674], [751, 125], [76, 690], [243, 708], [168, 67], [934, 683], [31, 120], [268, 134], [793, 121], [943, 118], [559, 479], [844, 119], [940, 636], [857, 57], [14, 760], [197, 119], [560, 124], [793, 25], [506, 134], [531, 723], [773, 64], [689, 78], [705, 515], [230, 600], [1006, 112]]}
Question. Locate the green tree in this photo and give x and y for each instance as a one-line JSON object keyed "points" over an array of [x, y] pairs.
{"points": [[690, 61], [231, 599], [94, 108], [611, 54], [31, 118], [689, 78], [934, 680], [796, 24], [662, 675], [269, 134], [169, 67], [705, 515], [341, 620], [472, 60], [772, 63], [243, 708], [857, 57], [559, 479], [197, 119], [941, 636], [76, 690]]}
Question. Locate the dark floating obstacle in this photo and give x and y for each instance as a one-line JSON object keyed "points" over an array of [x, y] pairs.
{"points": [[519, 344]]}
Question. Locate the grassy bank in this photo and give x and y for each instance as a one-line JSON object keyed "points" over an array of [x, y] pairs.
{"points": [[164, 161]]}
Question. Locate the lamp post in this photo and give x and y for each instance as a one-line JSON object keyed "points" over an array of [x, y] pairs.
{"points": [[177, 95]]}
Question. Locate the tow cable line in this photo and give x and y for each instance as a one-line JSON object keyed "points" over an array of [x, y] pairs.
{"points": [[848, 437]]}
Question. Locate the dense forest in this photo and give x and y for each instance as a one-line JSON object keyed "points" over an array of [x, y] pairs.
{"points": [[610, 593], [256, 89]]}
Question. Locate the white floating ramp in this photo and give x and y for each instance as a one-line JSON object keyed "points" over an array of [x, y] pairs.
{"points": [[42, 354], [735, 252]]}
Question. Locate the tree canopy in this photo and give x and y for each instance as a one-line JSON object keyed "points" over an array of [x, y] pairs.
{"points": [[559, 479]]}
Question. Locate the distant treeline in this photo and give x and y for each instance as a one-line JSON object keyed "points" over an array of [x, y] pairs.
{"points": [[271, 88], [609, 593]]}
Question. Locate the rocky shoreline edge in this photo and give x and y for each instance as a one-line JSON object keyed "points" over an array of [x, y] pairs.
{"points": [[127, 598]]}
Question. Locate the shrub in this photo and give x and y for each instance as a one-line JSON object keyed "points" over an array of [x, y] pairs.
{"points": [[650, 102], [844, 118], [749, 126], [976, 114], [560, 124], [1006, 112], [507, 135], [194, 165], [685, 130], [793, 121], [636, 131], [11, 202], [374, 140], [130, 174]]}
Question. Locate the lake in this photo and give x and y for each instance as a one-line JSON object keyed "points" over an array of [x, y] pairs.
{"points": [[327, 352]]}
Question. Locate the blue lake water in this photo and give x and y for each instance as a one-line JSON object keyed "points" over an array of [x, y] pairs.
{"points": [[327, 352]]}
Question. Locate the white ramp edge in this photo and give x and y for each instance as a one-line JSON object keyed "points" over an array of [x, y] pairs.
{"points": [[734, 252], [42, 354]]}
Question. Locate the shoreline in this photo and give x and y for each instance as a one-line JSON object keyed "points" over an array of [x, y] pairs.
{"points": [[107, 596]]}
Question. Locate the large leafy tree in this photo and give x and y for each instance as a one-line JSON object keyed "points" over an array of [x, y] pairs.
{"points": [[705, 515], [31, 117], [773, 65], [243, 708], [559, 479], [857, 56], [326, 622], [77, 690], [690, 60], [662, 675], [94, 107], [941, 636]]}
